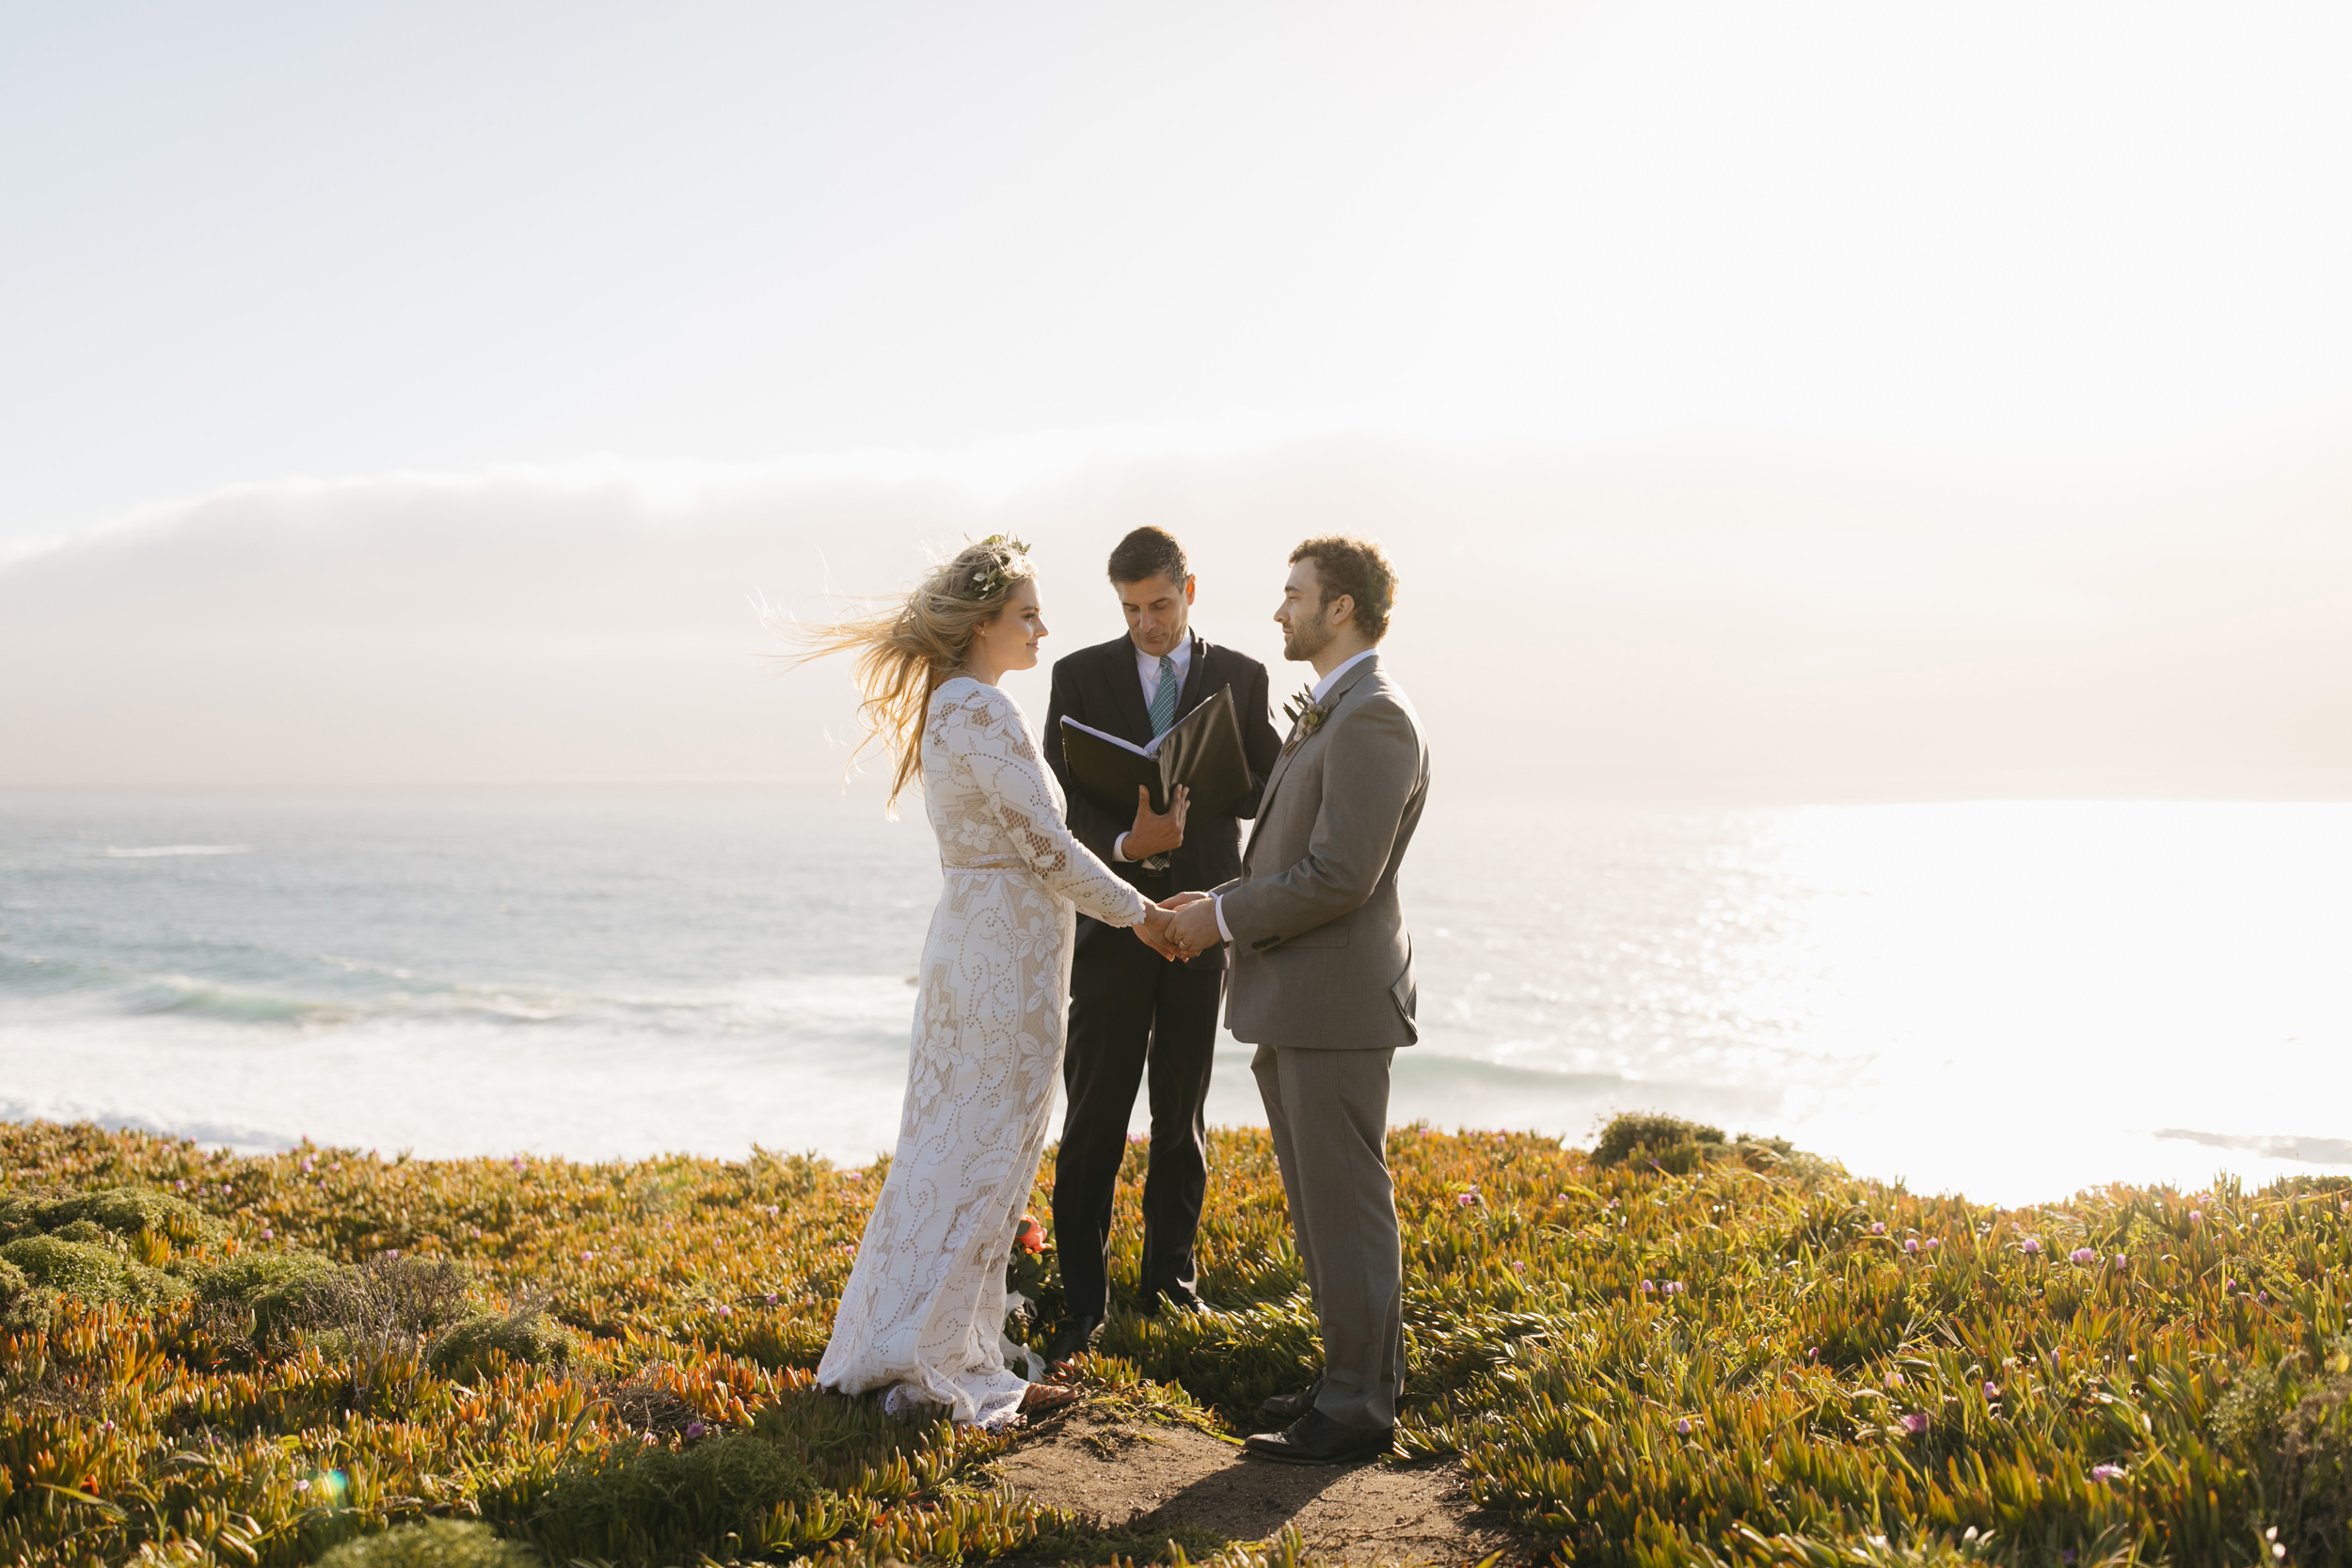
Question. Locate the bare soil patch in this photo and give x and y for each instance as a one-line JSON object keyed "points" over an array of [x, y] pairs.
{"points": [[1133, 1474]]}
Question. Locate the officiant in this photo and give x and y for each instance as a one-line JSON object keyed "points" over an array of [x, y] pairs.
{"points": [[1134, 1017]]}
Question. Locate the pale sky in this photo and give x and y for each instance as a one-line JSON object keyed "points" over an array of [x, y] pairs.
{"points": [[240, 243], [1819, 400]]}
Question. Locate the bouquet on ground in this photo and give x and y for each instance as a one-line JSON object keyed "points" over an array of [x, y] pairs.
{"points": [[1026, 1274]]}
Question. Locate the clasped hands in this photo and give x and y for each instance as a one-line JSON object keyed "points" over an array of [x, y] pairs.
{"points": [[1179, 928]]}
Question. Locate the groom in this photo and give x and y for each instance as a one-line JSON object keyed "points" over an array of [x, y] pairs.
{"points": [[1323, 985]]}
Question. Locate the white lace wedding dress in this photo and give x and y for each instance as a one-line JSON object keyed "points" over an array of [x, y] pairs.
{"points": [[922, 1311]]}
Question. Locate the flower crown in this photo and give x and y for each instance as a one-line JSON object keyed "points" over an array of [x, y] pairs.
{"points": [[1010, 564]]}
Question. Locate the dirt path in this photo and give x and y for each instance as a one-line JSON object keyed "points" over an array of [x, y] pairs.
{"points": [[1131, 1474]]}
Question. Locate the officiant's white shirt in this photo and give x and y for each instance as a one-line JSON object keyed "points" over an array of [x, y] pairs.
{"points": [[1148, 666], [1314, 694]]}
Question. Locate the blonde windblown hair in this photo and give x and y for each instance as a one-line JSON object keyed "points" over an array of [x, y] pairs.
{"points": [[906, 646]]}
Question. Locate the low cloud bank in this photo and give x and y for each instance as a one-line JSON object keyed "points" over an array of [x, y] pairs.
{"points": [[1718, 626]]}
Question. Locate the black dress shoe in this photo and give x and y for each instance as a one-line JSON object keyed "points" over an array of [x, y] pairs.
{"points": [[1316, 1438], [1077, 1338], [1282, 1409]]}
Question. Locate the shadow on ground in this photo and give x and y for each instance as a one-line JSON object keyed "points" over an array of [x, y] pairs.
{"points": [[1132, 1474]]}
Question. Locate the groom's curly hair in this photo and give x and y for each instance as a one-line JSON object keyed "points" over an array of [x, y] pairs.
{"points": [[1360, 569]]}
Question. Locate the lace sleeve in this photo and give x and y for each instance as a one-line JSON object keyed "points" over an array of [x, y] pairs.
{"points": [[990, 738]]}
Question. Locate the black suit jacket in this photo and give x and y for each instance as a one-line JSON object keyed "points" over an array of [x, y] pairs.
{"points": [[1100, 686]]}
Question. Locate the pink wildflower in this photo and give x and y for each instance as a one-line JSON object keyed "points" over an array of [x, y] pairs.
{"points": [[2106, 1472], [1911, 1244], [1878, 1227], [2083, 1254], [1914, 1424]]}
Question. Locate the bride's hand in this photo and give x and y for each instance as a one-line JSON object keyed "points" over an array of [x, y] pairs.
{"points": [[1153, 930]]}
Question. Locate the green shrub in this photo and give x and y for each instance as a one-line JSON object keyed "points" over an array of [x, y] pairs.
{"points": [[274, 1286], [1669, 1141], [647, 1502], [1677, 1148], [23, 1304], [89, 1271], [466, 1351], [128, 1210], [435, 1543]]}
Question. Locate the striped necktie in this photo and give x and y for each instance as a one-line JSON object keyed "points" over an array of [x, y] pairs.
{"points": [[1164, 699]]}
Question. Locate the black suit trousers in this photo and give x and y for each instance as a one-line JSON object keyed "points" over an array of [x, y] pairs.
{"points": [[1132, 1011]]}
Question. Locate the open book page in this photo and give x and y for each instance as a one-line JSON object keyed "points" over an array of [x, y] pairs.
{"points": [[1150, 750]]}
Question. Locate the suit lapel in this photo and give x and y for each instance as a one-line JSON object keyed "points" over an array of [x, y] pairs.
{"points": [[1135, 718], [1196, 678], [1282, 763]]}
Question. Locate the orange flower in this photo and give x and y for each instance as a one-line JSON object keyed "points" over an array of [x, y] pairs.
{"points": [[1028, 1235]]}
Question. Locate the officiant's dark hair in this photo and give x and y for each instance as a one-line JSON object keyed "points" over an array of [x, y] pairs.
{"points": [[1149, 552], [1357, 568]]}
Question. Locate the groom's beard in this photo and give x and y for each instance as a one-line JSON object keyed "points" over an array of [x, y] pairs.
{"points": [[1304, 643]]}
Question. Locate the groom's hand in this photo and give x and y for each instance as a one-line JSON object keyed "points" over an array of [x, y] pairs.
{"points": [[1152, 932], [1156, 832], [1192, 928]]}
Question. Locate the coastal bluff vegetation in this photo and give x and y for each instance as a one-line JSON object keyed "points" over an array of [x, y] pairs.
{"points": [[1672, 1348]]}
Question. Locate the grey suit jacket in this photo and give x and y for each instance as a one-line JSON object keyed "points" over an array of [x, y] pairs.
{"points": [[1321, 958]]}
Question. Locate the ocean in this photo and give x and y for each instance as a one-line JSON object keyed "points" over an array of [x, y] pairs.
{"points": [[2009, 998]]}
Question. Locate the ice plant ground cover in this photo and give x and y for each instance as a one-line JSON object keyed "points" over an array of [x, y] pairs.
{"points": [[1673, 1349]]}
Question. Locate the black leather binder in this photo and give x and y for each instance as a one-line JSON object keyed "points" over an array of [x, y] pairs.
{"points": [[1203, 753]]}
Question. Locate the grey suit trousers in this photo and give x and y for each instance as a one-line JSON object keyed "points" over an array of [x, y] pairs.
{"points": [[1330, 1112]]}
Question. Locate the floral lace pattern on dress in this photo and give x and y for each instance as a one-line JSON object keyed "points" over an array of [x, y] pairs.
{"points": [[923, 1308]]}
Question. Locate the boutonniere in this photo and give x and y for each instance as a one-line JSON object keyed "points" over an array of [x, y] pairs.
{"points": [[1306, 717]]}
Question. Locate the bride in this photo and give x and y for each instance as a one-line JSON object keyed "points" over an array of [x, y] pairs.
{"points": [[921, 1313]]}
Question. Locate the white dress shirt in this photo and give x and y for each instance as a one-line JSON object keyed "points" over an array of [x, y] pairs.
{"points": [[1314, 695], [1148, 667], [1328, 681]]}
